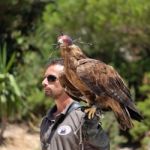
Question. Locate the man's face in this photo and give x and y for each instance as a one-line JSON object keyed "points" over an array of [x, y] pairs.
{"points": [[51, 84]]}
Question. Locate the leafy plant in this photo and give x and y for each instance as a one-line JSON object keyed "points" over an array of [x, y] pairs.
{"points": [[10, 94], [141, 130]]}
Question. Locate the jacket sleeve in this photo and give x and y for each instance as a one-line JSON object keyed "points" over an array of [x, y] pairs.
{"points": [[94, 137]]}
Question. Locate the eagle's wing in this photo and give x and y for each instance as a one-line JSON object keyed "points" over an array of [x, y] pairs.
{"points": [[103, 80], [70, 89]]}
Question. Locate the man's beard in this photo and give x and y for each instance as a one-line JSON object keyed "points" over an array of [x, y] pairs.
{"points": [[50, 93]]}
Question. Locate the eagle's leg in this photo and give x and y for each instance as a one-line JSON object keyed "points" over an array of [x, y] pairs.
{"points": [[91, 111]]}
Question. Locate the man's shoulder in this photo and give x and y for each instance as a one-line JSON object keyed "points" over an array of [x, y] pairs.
{"points": [[76, 111], [74, 106]]}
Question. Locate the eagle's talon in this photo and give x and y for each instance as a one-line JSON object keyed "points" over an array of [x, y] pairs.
{"points": [[91, 112]]}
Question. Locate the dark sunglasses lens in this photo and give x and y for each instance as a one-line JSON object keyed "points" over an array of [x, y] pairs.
{"points": [[51, 78]]}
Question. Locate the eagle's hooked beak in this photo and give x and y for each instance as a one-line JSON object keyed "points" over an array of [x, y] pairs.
{"points": [[58, 44], [61, 43]]}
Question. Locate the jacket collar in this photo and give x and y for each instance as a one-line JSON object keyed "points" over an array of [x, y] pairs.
{"points": [[49, 115]]}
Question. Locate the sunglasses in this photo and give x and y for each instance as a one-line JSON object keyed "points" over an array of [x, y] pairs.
{"points": [[51, 78]]}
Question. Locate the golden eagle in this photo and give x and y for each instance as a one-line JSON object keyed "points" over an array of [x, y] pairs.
{"points": [[96, 83]]}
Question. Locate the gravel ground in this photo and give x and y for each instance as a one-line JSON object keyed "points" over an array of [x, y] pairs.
{"points": [[18, 137]]}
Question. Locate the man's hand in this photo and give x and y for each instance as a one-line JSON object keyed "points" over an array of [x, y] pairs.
{"points": [[92, 123], [94, 137]]}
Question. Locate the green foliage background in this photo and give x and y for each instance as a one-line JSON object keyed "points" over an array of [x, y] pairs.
{"points": [[114, 31]]}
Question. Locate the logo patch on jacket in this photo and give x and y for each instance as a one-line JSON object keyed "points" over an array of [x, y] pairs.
{"points": [[64, 130]]}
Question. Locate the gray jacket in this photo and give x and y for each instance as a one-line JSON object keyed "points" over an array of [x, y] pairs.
{"points": [[70, 131]]}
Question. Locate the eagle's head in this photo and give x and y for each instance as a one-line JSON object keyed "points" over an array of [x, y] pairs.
{"points": [[64, 41]]}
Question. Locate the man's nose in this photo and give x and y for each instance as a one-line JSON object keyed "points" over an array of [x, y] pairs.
{"points": [[44, 82]]}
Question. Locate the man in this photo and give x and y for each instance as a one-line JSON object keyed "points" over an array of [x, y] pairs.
{"points": [[66, 126]]}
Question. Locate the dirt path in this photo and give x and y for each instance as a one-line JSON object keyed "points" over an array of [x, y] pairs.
{"points": [[18, 137]]}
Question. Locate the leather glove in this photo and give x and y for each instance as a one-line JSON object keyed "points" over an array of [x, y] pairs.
{"points": [[94, 137], [90, 126]]}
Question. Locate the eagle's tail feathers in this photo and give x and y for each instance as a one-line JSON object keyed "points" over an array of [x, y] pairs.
{"points": [[123, 118], [135, 114]]}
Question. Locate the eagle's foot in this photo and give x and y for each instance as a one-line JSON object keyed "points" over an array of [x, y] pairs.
{"points": [[91, 112]]}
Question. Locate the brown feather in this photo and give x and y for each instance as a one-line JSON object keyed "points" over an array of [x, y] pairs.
{"points": [[70, 89]]}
